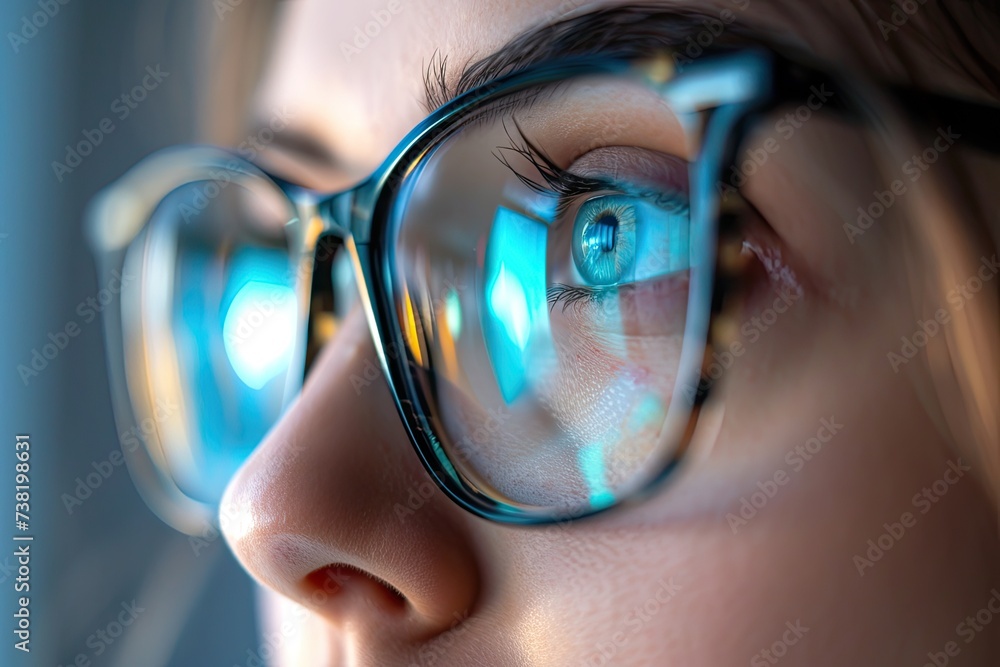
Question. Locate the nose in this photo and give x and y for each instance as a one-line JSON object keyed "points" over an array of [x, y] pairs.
{"points": [[334, 511]]}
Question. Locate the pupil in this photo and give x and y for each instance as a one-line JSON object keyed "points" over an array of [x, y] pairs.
{"points": [[604, 232]]}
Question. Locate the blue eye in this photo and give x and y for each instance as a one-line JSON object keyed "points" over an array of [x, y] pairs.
{"points": [[620, 239]]}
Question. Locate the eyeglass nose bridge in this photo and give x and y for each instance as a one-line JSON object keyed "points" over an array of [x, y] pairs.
{"points": [[346, 214], [334, 226], [334, 212], [321, 230]]}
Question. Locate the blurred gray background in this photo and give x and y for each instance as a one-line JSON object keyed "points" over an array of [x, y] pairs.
{"points": [[62, 65]]}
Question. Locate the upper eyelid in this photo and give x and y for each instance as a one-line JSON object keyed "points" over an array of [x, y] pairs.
{"points": [[558, 182], [568, 185]]}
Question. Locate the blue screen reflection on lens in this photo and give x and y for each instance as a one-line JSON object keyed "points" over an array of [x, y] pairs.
{"points": [[515, 317]]}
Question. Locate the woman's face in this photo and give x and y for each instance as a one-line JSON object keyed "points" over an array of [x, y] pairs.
{"points": [[826, 522]]}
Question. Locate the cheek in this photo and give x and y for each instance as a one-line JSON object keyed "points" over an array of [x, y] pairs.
{"points": [[616, 359], [602, 377], [638, 589], [604, 592]]}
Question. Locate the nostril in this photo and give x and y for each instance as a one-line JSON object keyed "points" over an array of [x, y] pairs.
{"points": [[341, 579]]}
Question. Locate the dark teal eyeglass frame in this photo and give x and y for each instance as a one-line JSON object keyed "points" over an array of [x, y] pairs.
{"points": [[735, 86]]}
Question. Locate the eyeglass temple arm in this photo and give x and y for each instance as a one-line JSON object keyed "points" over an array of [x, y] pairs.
{"points": [[978, 123]]}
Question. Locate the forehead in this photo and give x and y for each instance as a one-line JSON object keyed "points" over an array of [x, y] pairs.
{"points": [[351, 72]]}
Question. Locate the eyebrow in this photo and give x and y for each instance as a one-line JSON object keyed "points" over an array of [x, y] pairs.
{"points": [[632, 31], [635, 30]]}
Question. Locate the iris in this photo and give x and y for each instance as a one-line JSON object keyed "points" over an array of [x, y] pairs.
{"points": [[622, 238]]}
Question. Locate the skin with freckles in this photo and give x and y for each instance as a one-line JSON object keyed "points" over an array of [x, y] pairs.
{"points": [[809, 414]]}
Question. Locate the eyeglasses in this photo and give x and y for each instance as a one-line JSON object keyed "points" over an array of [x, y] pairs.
{"points": [[549, 265]]}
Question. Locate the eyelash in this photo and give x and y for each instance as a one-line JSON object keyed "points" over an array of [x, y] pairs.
{"points": [[567, 187], [561, 184], [557, 182], [573, 295]]}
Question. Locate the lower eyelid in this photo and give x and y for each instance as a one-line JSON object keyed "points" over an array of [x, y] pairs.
{"points": [[649, 308]]}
